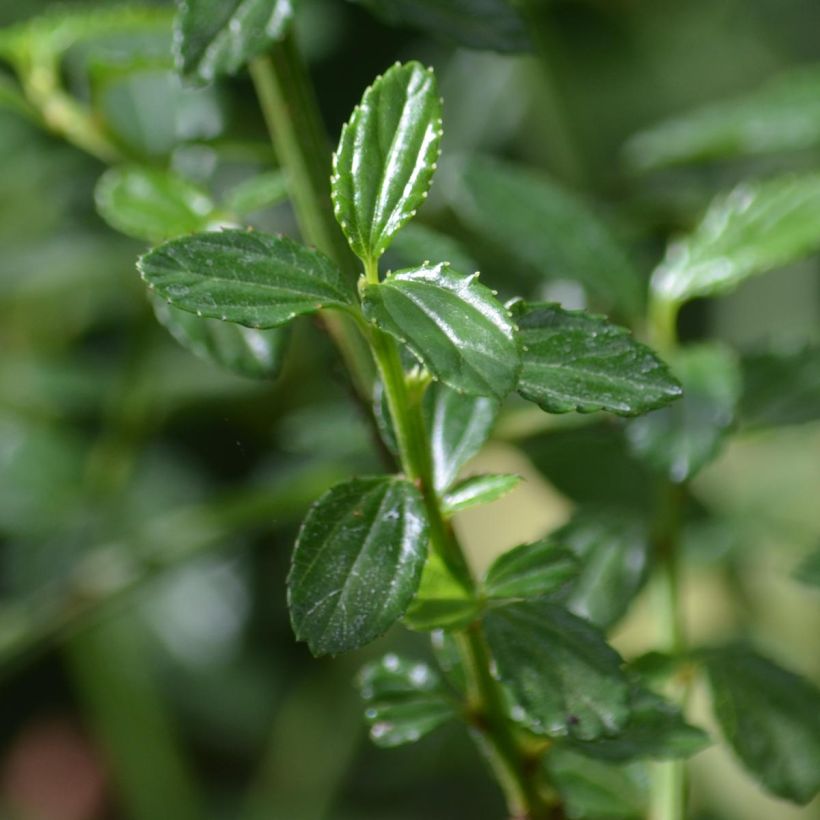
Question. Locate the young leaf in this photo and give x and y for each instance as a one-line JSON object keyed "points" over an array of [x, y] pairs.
{"points": [[770, 717], [477, 490], [559, 668], [452, 323], [757, 227], [245, 277], [612, 549], [573, 360], [247, 351], [780, 387], [152, 204], [681, 439], [530, 571], [783, 115], [215, 37], [404, 700], [256, 193], [808, 570], [545, 227], [482, 24], [357, 563], [386, 158], [655, 729]]}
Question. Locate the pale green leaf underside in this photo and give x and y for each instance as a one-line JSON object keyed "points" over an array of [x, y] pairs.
{"points": [[357, 563], [404, 700], [386, 158], [477, 490], [530, 571], [216, 37], [573, 360], [245, 277], [441, 601], [757, 227], [453, 324], [560, 670], [250, 352], [152, 204]]}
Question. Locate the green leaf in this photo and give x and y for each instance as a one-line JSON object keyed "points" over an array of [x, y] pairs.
{"points": [[215, 37], [452, 323], [780, 387], [655, 729], [415, 245], [256, 193], [808, 570], [405, 700], [247, 351], [386, 158], [477, 490], [245, 277], [152, 204], [681, 439], [782, 115], [441, 601], [530, 571], [559, 668], [770, 717], [612, 549], [481, 24], [757, 227], [596, 789], [357, 563], [574, 360], [547, 228]]}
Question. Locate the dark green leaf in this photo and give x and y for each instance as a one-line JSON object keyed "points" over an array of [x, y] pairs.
{"points": [[757, 227], [448, 657], [780, 387], [595, 789], [559, 668], [783, 115], [152, 204], [482, 24], [681, 439], [612, 549], [452, 323], [405, 700], [770, 717], [386, 158], [247, 351], [244, 277], [357, 563], [530, 571], [477, 490], [256, 193], [573, 360], [547, 228], [808, 570], [215, 37], [655, 729]]}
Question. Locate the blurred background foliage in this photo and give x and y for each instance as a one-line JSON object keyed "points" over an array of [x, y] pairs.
{"points": [[149, 499]]}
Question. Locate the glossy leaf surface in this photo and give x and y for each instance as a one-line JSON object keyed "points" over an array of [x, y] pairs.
{"points": [[530, 570], [559, 668], [770, 717], [245, 277], [572, 360], [216, 37], [681, 439], [757, 227], [247, 351], [477, 490], [357, 563], [386, 157], [612, 549], [452, 323], [152, 204], [404, 700], [545, 227], [482, 24]]}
